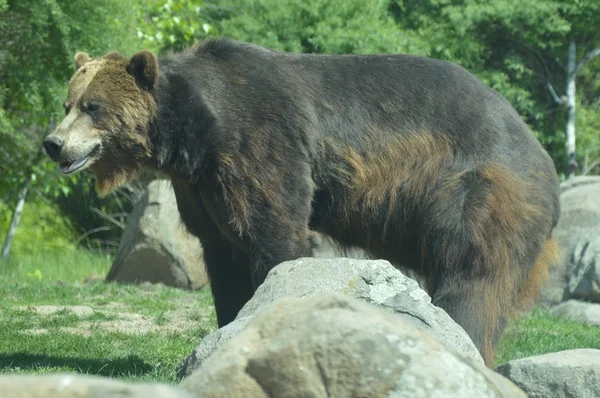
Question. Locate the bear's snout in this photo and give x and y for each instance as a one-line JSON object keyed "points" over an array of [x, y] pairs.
{"points": [[53, 146]]}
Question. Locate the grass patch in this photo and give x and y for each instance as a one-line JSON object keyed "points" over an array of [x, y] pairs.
{"points": [[23, 320], [149, 357], [70, 265], [135, 332], [142, 332], [540, 333]]}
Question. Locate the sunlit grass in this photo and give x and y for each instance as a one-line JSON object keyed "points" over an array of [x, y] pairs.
{"points": [[72, 265], [32, 343], [540, 333]]}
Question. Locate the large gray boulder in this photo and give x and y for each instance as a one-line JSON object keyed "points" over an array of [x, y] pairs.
{"points": [[373, 281], [78, 386], [563, 374], [579, 223], [578, 311], [337, 346], [155, 246]]}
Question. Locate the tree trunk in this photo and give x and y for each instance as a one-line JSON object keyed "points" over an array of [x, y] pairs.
{"points": [[16, 217], [12, 230], [571, 74]]}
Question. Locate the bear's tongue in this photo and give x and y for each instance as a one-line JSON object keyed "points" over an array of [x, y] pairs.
{"points": [[67, 168]]}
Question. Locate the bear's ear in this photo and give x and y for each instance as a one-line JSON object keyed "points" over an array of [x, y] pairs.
{"points": [[144, 67], [81, 58]]}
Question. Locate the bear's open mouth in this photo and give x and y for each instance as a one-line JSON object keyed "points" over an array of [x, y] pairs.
{"points": [[71, 167]]}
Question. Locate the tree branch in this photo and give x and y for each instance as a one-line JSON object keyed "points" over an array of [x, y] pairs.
{"points": [[593, 165], [559, 100], [587, 58], [108, 217], [88, 233]]}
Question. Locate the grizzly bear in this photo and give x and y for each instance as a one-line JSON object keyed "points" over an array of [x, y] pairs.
{"points": [[410, 158]]}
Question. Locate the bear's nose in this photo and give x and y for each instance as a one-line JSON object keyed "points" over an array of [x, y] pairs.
{"points": [[53, 145]]}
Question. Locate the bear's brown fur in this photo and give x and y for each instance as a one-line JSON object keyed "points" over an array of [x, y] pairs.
{"points": [[412, 159]]}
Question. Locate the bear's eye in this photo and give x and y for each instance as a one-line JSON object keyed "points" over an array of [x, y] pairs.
{"points": [[67, 108], [92, 106]]}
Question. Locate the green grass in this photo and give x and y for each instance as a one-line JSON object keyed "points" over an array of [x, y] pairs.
{"points": [[540, 333], [105, 342], [174, 321], [70, 265]]}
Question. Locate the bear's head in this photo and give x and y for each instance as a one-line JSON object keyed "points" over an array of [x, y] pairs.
{"points": [[109, 109]]}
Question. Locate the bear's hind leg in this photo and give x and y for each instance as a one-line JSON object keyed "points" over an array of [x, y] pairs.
{"points": [[480, 305], [484, 249]]}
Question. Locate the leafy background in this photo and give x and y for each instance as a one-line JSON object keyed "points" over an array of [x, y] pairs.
{"points": [[515, 46]]}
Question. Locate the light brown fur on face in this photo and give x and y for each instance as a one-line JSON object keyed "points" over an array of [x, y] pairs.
{"points": [[109, 112]]}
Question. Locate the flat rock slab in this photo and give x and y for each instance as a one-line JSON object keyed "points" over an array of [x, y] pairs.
{"points": [[79, 310], [373, 281], [336, 346], [563, 374], [578, 311], [76, 386]]}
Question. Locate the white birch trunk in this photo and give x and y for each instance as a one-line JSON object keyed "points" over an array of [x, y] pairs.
{"points": [[12, 230], [571, 74]]}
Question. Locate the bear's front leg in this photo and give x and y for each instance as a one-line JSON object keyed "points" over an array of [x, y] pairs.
{"points": [[268, 206], [227, 266], [277, 245], [229, 274], [235, 274]]}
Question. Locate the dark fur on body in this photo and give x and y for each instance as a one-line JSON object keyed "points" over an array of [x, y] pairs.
{"points": [[410, 158]]}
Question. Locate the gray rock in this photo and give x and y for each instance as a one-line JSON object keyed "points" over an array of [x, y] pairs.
{"points": [[579, 222], [578, 311], [584, 278], [578, 181], [568, 374], [77, 386], [374, 281], [337, 346], [156, 247]]}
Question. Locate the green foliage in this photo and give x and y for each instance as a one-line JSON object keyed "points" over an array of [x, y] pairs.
{"points": [[515, 46], [588, 124], [172, 25], [317, 26], [41, 230], [39, 40]]}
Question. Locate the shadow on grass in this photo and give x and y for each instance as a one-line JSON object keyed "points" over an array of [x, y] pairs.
{"points": [[127, 366]]}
